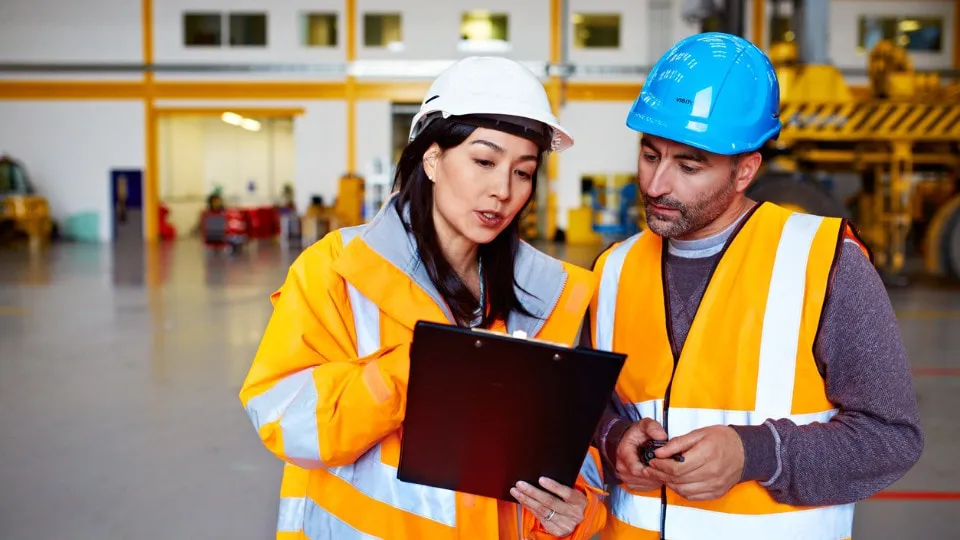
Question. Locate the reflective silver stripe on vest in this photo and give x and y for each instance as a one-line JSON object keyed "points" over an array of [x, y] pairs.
{"points": [[368, 475], [685, 523], [777, 370], [591, 473], [317, 523], [781, 320], [607, 296]]}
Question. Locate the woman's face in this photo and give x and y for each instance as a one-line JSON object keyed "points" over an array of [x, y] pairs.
{"points": [[481, 185]]}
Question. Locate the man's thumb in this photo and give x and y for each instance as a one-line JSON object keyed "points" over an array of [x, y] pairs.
{"points": [[655, 431]]}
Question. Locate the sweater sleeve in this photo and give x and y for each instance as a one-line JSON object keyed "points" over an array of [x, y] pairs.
{"points": [[875, 437]]}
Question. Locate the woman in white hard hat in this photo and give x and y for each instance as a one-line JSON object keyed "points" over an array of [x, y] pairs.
{"points": [[327, 388]]}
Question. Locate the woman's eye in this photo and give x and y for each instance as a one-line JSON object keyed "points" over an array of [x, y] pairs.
{"points": [[483, 162], [524, 174]]}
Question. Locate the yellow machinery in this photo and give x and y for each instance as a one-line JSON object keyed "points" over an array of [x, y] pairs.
{"points": [[348, 208], [903, 139], [22, 212]]}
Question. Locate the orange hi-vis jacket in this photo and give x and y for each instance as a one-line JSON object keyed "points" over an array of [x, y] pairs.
{"points": [[748, 357], [327, 389]]}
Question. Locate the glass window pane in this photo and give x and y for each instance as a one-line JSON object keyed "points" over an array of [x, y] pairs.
{"points": [[381, 29], [202, 29], [596, 30], [481, 25], [781, 30], [912, 33], [921, 33], [319, 29], [248, 29]]}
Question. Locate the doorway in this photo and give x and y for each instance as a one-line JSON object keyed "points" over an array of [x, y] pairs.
{"points": [[126, 201]]}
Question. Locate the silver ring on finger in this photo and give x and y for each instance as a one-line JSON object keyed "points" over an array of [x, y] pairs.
{"points": [[552, 513]]}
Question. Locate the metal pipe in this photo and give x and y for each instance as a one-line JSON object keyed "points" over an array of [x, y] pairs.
{"points": [[813, 31], [733, 17]]}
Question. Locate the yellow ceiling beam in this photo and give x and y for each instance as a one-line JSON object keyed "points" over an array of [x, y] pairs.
{"points": [[249, 112], [71, 90], [403, 92]]}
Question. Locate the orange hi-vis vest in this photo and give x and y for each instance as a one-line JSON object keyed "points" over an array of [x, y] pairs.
{"points": [[327, 389], [748, 357]]}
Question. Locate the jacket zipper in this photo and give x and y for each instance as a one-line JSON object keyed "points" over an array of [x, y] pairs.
{"points": [[553, 306], [520, 523]]}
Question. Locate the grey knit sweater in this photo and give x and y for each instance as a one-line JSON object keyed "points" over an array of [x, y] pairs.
{"points": [[876, 436]]}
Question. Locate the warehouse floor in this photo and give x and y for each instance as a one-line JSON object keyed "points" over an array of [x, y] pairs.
{"points": [[119, 373]]}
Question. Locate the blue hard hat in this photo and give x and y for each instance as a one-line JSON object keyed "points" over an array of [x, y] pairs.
{"points": [[712, 91]]}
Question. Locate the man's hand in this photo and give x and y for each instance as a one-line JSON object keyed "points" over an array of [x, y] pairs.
{"points": [[634, 474], [713, 463]]}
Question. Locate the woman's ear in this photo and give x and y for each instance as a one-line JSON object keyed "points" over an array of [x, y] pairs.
{"points": [[430, 158]]}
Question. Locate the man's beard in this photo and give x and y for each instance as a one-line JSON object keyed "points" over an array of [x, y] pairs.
{"points": [[693, 217]]}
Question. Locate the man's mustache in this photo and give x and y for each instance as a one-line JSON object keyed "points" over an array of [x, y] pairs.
{"points": [[665, 202]]}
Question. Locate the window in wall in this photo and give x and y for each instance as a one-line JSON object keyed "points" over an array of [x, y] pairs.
{"points": [[597, 30], [921, 34], [383, 30], [248, 29], [483, 31], [319, 29], [202, 29], [781, 30], [712, 23]]}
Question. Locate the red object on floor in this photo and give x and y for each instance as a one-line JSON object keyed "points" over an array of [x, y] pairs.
{"points": [[167, 230]]}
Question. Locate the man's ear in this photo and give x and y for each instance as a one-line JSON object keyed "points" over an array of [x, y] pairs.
{"points": [[747, 168], [430, 159]]}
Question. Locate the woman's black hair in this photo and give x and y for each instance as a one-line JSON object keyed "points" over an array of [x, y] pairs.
{"points": [[416, 190]]}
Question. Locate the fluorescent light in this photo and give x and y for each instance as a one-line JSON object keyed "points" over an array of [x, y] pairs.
{"points": [[250, 124], [909, 25], [231, 118]]}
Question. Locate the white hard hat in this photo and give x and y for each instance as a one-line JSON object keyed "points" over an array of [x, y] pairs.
{"points": [[496, 88]]}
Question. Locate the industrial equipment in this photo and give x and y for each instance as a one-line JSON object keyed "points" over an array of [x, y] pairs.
{"points": [[902, 139], [22, 211]]}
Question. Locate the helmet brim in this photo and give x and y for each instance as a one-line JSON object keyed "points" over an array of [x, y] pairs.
{"points": [[562, 139]]}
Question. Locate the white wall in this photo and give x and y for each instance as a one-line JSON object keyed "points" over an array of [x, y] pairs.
{"points": [[321, 150], [431, 30], [283, 33], [58, 31], [643, 36], [69, 149], [604, 145], [845, 17], [374, 130]]}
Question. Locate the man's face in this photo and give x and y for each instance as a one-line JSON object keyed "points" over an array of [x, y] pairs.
{"points": [[685, 189]]}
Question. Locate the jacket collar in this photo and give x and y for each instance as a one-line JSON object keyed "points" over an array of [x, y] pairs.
{"points": [[541, 278]]}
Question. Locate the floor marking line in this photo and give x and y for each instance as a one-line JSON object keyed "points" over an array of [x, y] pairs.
{"points": [[918, 495], [931, 371]]}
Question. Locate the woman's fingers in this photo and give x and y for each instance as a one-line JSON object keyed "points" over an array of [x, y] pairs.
{"points": [[540, 497], [557, 488], [558, 525]]}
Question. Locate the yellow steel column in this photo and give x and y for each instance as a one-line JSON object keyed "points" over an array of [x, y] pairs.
{"points": [[555, 93], [151, 188], [350, 13], [758, 18]]}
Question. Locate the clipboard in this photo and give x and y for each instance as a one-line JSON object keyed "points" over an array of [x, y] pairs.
{"points": [[486, 410]]}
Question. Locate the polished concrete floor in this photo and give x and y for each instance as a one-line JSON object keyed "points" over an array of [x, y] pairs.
{"points": [[119, 416]]}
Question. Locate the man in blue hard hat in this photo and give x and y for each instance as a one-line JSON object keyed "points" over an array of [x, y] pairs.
{"points": [[764, 358]]}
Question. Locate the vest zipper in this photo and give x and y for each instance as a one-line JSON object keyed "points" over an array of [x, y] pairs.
{"points": [[665, 284], [666, 397]]}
